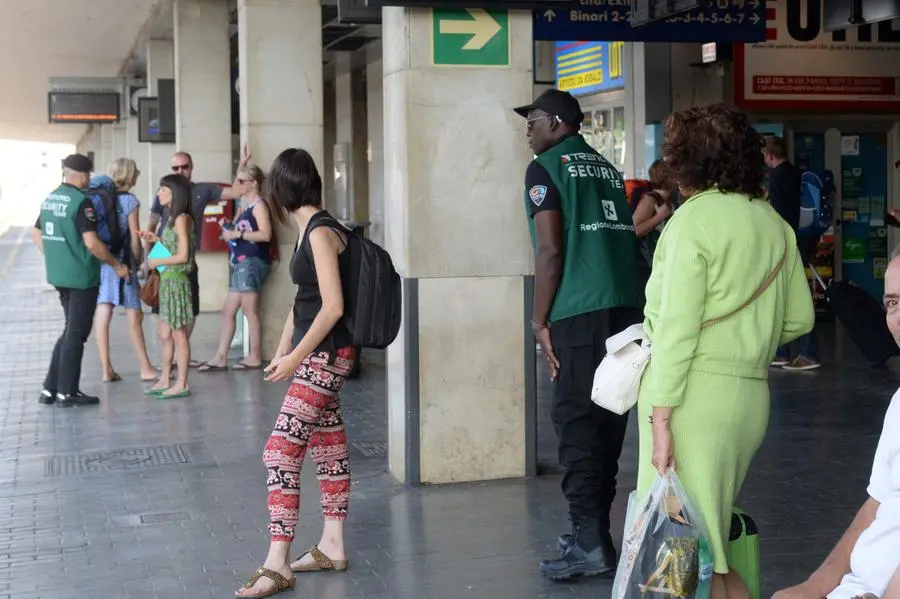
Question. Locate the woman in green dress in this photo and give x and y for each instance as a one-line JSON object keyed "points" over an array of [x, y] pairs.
{"points": [[175, 311], [727, 288]]}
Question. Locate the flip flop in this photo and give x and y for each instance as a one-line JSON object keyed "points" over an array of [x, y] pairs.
{"points": [[207, 367], [244, 366], [180, 394], [321, 562], [281, 583], [152, 392], [115, 378]]}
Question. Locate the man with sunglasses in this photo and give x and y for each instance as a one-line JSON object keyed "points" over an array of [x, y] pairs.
{"points": [[202, 194], [586, 288]]}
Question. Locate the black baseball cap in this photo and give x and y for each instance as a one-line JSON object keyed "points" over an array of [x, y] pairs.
{"points": [[78, 163], [558, 103]]}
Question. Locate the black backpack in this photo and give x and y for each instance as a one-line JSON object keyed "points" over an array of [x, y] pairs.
{"points": [[373, 299], [106, 204]]}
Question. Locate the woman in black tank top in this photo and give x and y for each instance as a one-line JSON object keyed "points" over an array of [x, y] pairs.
{"points": [[316, 354]]}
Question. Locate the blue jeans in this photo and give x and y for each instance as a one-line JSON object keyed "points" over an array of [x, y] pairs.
{"points": [[809, 347]]}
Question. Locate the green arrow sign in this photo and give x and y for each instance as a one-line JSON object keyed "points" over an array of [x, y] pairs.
{"points": [[471, 37]]}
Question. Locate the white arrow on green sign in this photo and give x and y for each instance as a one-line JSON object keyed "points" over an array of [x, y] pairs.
{"points": [[471, 37]]}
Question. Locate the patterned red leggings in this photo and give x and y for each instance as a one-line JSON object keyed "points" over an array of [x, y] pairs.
{"points": [[310, 417]]}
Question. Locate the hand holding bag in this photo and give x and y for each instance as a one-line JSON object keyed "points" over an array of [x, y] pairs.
{"points": [[618, 378], [617, 381]]}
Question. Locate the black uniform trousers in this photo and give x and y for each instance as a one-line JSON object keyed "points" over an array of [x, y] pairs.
{"points": [[78, 306], [590, 438]]}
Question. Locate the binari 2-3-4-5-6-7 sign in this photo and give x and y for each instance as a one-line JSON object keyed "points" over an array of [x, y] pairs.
{"points": [[609, 20]]}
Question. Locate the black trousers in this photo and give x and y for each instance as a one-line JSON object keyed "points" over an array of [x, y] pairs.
{"points": [[79, 306], [590, 438]]}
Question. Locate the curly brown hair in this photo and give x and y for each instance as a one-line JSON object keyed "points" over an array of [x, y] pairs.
{"points": [[714, 146], [659, 175]]}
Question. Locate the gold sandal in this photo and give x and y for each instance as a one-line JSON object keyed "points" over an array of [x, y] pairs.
{"points": [[281, 583], [321, 562]]}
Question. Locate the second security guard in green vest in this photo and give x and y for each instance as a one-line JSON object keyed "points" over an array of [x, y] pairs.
{"points": [[66, 233], [586, 288]]}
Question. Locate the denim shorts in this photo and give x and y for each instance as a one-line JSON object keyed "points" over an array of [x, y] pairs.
{"points": [[247, 276]]}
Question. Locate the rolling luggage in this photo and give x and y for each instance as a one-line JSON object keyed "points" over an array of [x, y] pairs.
{"points": [[743, 550], [864, 318]]}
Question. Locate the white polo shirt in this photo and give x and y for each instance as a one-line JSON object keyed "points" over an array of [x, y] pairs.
{"points": [[876, 555]]}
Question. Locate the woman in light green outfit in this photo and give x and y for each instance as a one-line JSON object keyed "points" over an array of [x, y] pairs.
{"points": [[727, 288], [175, 310]]}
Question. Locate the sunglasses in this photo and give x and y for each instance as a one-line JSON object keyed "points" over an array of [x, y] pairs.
{"points": [[180, 167]]}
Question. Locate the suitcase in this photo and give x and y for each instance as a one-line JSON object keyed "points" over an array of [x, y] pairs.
{"points": [[743, 550], [864, 318]]}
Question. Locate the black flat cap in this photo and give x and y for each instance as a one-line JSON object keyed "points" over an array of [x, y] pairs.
{"points": [[557, 103], [78, 163]]}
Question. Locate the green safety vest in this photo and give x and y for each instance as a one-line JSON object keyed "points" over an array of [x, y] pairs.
{"points": [[600, 267], [69, 263]]}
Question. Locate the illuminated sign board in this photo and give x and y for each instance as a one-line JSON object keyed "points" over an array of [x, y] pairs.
{"points": [[589, 67], [84, 107]]}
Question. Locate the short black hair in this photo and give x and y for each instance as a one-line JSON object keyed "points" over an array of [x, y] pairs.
{"points": [[294, 181], [181, 196]]}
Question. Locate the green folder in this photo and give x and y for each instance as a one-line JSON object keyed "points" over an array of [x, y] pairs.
{"points": [[159, 251]]}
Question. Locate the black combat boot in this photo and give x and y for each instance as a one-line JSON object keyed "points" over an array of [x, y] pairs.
{"points": [[591, 553]]}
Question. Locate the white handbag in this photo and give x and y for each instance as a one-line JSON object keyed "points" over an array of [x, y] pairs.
{"points": [[617, 380]]}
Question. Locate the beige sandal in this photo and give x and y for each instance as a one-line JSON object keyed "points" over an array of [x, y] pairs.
{"points": [[281, 583], [321, 562]]}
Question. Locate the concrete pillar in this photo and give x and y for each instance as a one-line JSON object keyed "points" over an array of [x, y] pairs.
{"points": [[329, 119], [274, 54], [160, 65], [203, 114], [105, 150], [119, 141], [648, 99], [375, 149], [455, 160], [342, 155], [140, 153]]}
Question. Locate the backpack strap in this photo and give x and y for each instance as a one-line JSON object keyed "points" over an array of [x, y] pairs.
{"points": [[317, 220]]}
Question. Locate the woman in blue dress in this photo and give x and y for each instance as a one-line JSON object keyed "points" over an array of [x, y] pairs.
{"points": [[123, 176]]}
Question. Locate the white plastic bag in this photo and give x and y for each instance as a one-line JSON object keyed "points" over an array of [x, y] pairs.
{"points": [[617, 380], [665, 549]]}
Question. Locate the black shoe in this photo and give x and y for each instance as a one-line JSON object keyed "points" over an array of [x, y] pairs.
{"points": [[564, 542], [76, 399], [48, 398], [591, 553]]}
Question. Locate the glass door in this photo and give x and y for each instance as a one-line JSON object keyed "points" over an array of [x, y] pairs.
{"points": [[604, 130]]}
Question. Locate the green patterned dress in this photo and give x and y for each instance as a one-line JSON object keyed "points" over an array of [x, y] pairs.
{"points": [[175, 286]]}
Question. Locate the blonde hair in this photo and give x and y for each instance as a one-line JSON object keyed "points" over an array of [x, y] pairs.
{"points": [[255, 173], [124, 173]]}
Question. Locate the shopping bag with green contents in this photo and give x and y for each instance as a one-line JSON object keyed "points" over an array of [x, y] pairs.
{"points": [[665, 549]]}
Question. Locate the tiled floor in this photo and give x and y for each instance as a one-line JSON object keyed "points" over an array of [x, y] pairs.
{"points": [[141, 498]]}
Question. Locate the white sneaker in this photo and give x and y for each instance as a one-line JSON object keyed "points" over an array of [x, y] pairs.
{"points": [[801, 363]]}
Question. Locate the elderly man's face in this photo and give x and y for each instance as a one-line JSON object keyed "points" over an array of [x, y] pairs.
{"points": [[892, 297]]}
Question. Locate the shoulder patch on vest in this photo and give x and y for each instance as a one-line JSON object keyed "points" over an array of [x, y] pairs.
{"points": [[537, 194], [89, 213]]}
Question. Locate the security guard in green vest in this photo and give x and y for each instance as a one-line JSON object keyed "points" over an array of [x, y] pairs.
{"points": [[66, 233], [586, 288]]}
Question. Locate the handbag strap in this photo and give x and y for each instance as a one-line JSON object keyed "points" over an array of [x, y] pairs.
{"points": [[762, 289]]}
